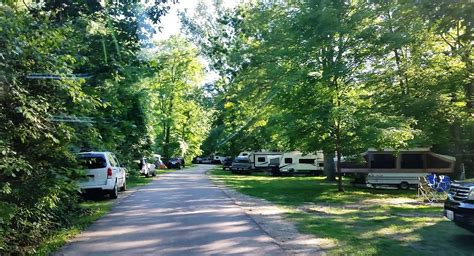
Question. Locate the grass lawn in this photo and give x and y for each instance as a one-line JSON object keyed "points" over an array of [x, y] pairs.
{"points": [[360, 221]]}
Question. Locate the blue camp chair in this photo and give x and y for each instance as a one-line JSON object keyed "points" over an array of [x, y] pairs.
{"points": [[433, 188], [431, 180], [444, 183]]}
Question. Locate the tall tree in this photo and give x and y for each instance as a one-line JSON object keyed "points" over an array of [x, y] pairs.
{"points": [[173, 100]]}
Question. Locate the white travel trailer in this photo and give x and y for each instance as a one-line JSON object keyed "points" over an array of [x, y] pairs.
{"points": [[265, 160], [219, 159], [245, 153], [297, 162]]}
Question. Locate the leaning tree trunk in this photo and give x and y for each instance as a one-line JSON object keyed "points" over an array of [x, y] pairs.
{"points": [[458, 149], [338, 155], [329, 167]]}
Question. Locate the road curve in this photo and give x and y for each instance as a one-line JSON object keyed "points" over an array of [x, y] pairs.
{"points": [[180, 213]]}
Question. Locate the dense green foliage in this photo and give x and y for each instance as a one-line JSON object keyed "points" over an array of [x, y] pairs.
{"points": [[73, 77], [174, 102], [340, 76]]}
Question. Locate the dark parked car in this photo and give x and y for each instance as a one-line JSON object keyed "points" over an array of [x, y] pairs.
{"points": [[227, 163], [459, 207], [203, 160], [241, 164], [175, 163]]}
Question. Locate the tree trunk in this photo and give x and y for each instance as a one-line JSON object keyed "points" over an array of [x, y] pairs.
{"points": [[338, 167], [401, 74], [166, 146], [338, 152], [337, 134], [467, 59], [458, 151], [329, 167]]}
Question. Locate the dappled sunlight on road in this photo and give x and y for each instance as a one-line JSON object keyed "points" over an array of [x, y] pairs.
{"points": [[181, 213]]}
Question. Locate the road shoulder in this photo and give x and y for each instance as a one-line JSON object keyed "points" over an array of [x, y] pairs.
{"points": [[271, 219]]}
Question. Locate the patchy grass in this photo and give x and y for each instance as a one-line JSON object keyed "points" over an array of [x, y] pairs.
{"points": [[135, 181], [360, 221]]}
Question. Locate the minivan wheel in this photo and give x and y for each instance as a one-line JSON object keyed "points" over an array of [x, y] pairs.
{"points": [[114, 193], [404, 185], [124, 187]]}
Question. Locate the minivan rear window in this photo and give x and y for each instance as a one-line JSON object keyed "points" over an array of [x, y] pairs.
{"points": [[92, 162]]}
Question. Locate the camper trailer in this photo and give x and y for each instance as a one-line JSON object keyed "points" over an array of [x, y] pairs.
{"points": [[401, 168], [245, 153], [265, 160], [219, 159], [297, 162]]}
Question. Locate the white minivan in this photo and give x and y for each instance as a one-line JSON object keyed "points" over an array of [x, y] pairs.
{"points": [[104, 173]]}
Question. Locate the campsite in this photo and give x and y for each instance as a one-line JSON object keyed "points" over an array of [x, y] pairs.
{"points": [[236, 127]]}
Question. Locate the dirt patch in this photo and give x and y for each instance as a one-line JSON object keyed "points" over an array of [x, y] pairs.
{"points": [[271, 220]]}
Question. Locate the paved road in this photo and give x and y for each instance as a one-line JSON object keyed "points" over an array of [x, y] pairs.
{"points": [[180, 213]]}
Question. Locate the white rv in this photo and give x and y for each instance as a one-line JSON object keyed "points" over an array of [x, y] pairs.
{"points": [[265, 160], [245, 153], [219, 159], [297, 162]]}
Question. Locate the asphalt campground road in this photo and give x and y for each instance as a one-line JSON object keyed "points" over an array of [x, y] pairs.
{"points": [[180, 213]]}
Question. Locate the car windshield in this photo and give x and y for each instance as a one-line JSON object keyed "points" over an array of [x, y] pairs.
{"points": [[92, 162], [242, 160]]}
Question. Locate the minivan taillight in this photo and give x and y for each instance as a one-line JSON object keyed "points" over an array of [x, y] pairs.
{"points": [[109, 172]]}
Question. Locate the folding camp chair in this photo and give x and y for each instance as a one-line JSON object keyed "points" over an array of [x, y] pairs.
{"points": [[433, 188], [425, 190]]}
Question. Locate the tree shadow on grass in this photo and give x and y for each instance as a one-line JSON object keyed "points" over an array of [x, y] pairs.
{"points": [[376, 231]]}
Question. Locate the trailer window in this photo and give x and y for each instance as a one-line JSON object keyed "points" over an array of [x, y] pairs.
{"points": [[412, 161], [434, 162], [386, 161], [321, 164], [306, 161], [288, 160], [261, 159]]}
